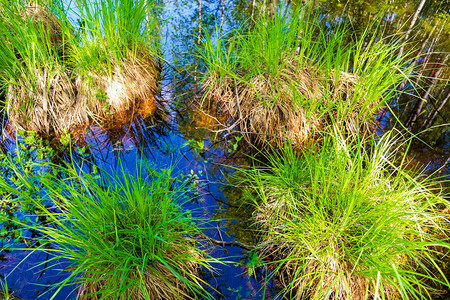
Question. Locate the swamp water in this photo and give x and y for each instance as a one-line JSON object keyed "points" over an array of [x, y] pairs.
{"points": [[184, 139]]}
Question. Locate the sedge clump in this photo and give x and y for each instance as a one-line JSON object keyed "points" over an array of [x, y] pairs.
{"points": [[124, 235], [289, 76], [59, 76], [344, 222]]}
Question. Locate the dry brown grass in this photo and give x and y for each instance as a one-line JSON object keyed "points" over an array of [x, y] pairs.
{"points": [[58, 98], [273, 109], [160, 284], [60, 103], [40, 16], [131, 84], [338, 279], [44, 101], [49, 106], [339, 282]]}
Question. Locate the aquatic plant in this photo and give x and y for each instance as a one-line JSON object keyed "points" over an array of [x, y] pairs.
{"points": [[293, 74], [4, 290], [61, 76], [347, 222], [126, 236]]}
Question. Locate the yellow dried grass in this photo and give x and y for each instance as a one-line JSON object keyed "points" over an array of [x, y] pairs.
{"points": [[60, 103], [127, 89], [49, 106], [268, 110]]}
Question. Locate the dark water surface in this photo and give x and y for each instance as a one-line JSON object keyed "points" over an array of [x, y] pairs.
{"points": [[184, 140]]}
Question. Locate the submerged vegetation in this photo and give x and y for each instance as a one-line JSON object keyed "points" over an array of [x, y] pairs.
{"points": [[126, 236], [349, 221], [291, 76], [60, 76]]}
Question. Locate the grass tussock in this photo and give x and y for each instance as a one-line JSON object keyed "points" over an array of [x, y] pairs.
{"points": [[131, 84], [344, 223], [127, 236], [119, 76], [291, 76], [60, 76], [50, 105]]}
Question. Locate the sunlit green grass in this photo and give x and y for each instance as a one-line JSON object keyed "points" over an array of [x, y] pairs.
{"points": [[114, 31], [125, 235], [349, 221], [4, 293], [295, 73]]}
